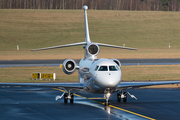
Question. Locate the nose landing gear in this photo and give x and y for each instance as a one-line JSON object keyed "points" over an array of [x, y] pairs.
{"points": [[106, 96]]}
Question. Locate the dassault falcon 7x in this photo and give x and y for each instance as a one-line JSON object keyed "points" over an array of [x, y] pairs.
{"points": [[97, 76]]}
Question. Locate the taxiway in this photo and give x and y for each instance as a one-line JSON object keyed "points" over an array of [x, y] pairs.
{"points": [[19, 103], [56, 63]]}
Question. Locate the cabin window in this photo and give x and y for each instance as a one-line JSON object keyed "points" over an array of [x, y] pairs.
{"points": [[113, 68], [103, 68], [96, 68]]}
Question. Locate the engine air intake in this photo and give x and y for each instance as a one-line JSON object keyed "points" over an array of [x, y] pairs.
{"points": [[93, 49], [69, 66], [117, 62]]}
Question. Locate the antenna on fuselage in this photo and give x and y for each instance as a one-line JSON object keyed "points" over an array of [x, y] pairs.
{"points": [[87, 37]]}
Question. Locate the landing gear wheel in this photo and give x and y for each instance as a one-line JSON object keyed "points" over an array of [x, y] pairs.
{"points": [[118, 97], [106, 103], [65, 98], [125, 97], [72, 98]]}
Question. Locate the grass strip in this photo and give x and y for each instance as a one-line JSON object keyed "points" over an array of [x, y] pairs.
{"points": [[129, 73]]}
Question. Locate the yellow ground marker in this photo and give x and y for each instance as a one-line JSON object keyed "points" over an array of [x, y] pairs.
{"points": [[61, 66]]}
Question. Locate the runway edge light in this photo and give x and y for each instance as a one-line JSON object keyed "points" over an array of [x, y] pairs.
{"points": [[61, 66]]}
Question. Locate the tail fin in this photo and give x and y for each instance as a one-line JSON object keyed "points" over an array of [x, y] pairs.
{"points": [[87, 39]]}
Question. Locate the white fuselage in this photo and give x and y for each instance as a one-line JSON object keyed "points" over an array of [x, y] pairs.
{"points": [[99, 75]]}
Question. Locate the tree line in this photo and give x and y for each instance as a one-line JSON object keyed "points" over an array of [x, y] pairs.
{"points": [[150, 5]]}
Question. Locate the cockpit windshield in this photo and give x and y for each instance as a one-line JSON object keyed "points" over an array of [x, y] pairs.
{"points": [[106, 68], [113, 68], [103, 68], [96, 68]]}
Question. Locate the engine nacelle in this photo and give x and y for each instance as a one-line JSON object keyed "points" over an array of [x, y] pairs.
{"points": [[92, 49], [69, 66], [117, 62]]}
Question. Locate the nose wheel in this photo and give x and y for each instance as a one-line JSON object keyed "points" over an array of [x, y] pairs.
{"points": [[106, 103], [106, 96]]}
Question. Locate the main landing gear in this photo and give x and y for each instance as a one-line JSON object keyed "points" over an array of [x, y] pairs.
{"points": [[123, 95], [67, 96]]}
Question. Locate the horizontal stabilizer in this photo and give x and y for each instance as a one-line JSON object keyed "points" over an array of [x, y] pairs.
{"points": [[61, 46], [114, 46]]}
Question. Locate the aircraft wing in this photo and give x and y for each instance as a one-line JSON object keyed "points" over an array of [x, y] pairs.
{"points": [[130, 85], [67, 86]]}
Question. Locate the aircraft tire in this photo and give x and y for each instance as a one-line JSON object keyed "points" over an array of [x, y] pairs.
{"points": [[72, 98], [65, 98], [125, 98], [106, 103], [118, 97]]}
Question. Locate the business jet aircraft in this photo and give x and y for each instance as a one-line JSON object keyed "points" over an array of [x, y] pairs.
{"points": [[97, 76]]}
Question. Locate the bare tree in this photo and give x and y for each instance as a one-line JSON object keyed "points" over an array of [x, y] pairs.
{"points": [[63, 4], [82, 4]]}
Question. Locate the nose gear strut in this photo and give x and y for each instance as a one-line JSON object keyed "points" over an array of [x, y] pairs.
{"points": [[107, 94]]}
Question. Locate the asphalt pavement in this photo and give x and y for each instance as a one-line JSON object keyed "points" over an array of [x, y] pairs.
{"points": [[57, 62], [27, 103]]}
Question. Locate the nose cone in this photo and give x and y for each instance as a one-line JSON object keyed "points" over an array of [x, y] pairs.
{"points": [[85, 7], [109, 80]]}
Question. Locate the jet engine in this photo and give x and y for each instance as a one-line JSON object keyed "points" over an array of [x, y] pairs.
{"points": [[93, 49], [69, 66], [117, 62]]}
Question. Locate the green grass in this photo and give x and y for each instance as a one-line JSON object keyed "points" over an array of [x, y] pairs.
{"points": [[23, 74], [152, 72], [31, 29], [129, 73]]}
